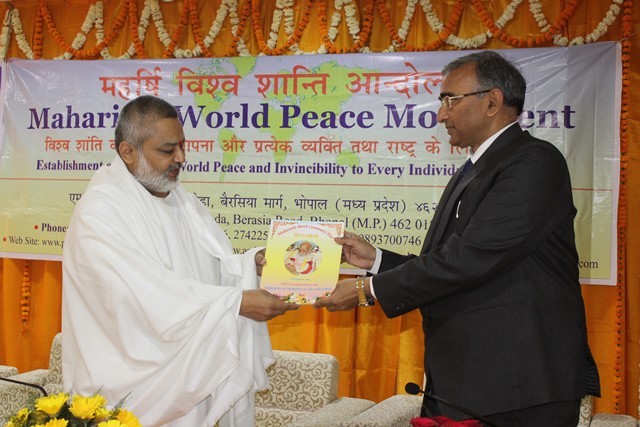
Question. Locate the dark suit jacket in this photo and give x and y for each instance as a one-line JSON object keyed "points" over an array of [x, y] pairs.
{"points": [[497, 284]]}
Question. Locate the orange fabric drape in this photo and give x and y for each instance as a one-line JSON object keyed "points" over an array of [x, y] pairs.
{"points": [[377, 355]]}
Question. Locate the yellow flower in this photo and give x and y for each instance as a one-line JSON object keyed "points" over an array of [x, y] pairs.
{"points": [[84, 411], [102, 414], [19, 419], [51, 405], [126, 417], [85, 407], [111, 423], [54, 423]]}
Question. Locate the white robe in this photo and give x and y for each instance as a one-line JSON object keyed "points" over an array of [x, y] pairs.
{"points": [[151, 296]]}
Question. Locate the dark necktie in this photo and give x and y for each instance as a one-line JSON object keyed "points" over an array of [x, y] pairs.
{"points": [[466, 167]]}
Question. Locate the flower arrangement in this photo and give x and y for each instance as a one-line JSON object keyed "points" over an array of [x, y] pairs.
{"points": [[59, 410], [441, 421]]}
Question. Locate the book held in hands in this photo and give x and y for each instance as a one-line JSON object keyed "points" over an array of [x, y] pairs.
{"points": [[303, 260]]}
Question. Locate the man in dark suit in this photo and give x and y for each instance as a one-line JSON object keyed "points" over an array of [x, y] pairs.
{"points": [[497, 278]]}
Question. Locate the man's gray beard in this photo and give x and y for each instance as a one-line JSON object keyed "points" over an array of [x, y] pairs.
{"points": [[151, 179]]}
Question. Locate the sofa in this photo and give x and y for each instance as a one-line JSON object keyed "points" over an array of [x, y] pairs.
{"points": [[303, 390]]}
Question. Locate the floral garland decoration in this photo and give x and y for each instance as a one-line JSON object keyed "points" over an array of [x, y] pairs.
{"points": [[44, 10], [350, 17], [188, 16], [327, 42], [230, 8], [610, 16], [329, 34], [437, 26], [38, 36], [23, 44], [103, 42], [627, 32], [255, 17], [142, 32], [133, 27], [294, 34], [177, 34], [99, 25], [80, 38], [482, 38], [5, 35], [288, 22], [365, 31], [95, 17], [443, 34], [403, 31], [25, 301], [358, 35], [238, 24], [284, 9], [277, 20], [161, 31], [528, 41], [195, 25]]}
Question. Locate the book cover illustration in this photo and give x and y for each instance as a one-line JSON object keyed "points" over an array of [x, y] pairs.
{"points": [[303, 260]]}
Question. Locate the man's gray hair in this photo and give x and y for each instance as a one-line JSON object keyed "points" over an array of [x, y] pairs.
{"points": [[494, 71], [138, 118]]}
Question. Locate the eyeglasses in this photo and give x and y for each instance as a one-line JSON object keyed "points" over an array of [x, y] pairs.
{"points": [[447, 101]]}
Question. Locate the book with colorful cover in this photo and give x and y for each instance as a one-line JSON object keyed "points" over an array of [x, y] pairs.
{"points": [[303, 260]]}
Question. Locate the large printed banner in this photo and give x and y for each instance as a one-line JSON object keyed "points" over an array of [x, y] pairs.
{"points": [[322, 137]]}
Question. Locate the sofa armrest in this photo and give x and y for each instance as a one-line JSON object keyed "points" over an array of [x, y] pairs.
{"points": [[395, 411], [7, 371], [341, 409], [37, 376], [14, 397]]}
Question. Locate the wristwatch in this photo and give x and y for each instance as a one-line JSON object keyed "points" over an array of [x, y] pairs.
{"points": [[363, 300]]}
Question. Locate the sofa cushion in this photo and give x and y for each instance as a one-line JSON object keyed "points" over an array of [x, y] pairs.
{"points": [[613, 420], [395, 411], [276, 417], [335, 413]]}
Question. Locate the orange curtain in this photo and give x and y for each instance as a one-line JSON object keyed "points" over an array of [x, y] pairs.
{"points": [[377, 355]]}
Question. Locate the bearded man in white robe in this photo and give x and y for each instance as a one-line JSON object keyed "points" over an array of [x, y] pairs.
{"points": [[156, 307]]}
